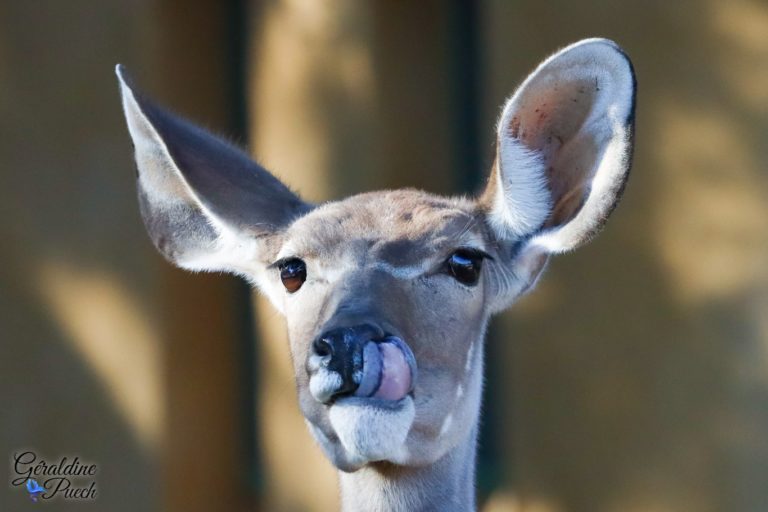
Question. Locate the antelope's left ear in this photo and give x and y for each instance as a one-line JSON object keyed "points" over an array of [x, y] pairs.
{"points": [[564, 151]]}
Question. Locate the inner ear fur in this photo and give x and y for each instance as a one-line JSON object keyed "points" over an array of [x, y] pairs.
{"points": [[204, 202], [568, 128]]}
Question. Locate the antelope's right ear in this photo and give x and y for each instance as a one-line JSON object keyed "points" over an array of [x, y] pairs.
{"points": [[205, 203]]}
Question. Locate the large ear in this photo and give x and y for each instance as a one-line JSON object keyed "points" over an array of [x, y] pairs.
{"points": [[205, 203], [564, 151]]}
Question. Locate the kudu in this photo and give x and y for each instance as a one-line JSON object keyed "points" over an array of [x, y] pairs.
{"points": [[387, 295]]}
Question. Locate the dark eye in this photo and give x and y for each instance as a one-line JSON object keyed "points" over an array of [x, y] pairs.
{"points": [[293, 273], [464, 265]]}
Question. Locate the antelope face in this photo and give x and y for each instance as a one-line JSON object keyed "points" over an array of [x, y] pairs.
{"points": [[387, 295], [386, 300]]}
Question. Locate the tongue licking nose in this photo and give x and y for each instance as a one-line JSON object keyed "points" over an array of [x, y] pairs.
{"points": [[387, 370], [395, 373]]}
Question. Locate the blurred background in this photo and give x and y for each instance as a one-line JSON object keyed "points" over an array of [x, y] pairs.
{"points": [[634, 379]]}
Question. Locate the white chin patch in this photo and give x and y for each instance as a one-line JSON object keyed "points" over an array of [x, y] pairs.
{"points": [[371, 431]]}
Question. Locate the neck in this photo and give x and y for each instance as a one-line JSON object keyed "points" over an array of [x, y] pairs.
{"points": [[447, 485]]}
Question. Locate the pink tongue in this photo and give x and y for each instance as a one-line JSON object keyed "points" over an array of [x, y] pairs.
{"points": [[395, 373]]}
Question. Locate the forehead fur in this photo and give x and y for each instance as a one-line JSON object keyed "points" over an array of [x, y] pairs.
{"points": [[391, 225]]}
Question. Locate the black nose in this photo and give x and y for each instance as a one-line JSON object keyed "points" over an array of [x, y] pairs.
{"points": [[341, 350]]}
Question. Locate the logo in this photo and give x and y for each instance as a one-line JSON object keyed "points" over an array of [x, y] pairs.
{"points": [[68, 478], [34, 489]]}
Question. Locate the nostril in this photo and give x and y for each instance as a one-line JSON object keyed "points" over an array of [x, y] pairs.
{"points": [[322, 347]]}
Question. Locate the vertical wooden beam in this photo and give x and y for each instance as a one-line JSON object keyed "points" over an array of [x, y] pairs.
{"points": [[416, 126], [205, 460]]}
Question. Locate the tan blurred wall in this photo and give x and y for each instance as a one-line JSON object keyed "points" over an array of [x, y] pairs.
{"points": [[106, 352], [639, 368]]}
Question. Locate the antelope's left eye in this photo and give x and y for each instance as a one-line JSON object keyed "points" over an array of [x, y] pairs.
{"points": [[293, 273], [464, 265]]}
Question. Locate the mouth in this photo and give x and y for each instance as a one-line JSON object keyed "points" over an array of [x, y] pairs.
{"points": [[388, 372], [369, 398]]}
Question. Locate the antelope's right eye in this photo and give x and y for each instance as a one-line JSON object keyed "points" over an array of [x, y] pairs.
{"points": [[293, 273]]}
